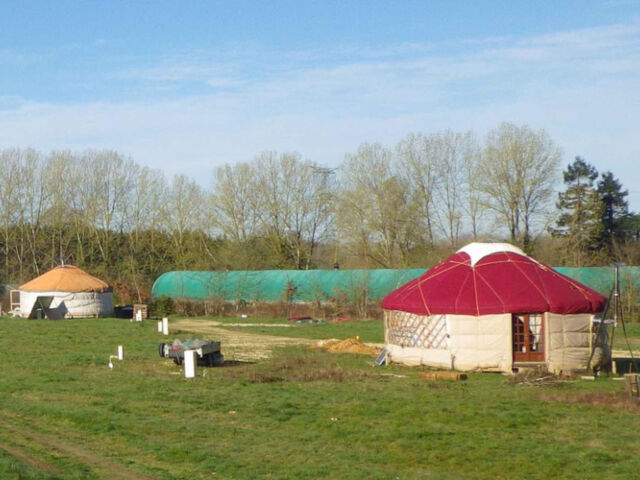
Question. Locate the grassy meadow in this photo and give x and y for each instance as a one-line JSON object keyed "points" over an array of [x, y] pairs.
{"points": [[303, 414]]}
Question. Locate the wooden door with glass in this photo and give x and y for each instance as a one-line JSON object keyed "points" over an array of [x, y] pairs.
{"points": [[528, 337]]}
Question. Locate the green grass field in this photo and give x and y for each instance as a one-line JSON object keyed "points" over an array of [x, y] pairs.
{"points": [[301, 415]]}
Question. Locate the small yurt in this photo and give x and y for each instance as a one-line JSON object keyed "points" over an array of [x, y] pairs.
{"points": [[491, 307], [65, 292]]}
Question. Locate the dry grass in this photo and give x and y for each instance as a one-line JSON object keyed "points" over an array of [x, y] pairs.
{"points": [[619, 401], [300, 368]]}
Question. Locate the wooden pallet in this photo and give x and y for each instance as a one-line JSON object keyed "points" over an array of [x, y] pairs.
{"points": [[140, 307]]}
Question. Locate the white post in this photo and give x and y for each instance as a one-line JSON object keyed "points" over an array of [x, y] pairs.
{"points": [[159, 326], [120, 352], [165, 326], [139, 316], [189, 363]]}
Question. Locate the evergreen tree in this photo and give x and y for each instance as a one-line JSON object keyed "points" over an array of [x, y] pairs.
{"points": [[580, 206], [615, 210]]}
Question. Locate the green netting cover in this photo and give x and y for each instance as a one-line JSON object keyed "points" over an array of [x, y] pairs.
{"points": [[323, 285], [275, 285]]}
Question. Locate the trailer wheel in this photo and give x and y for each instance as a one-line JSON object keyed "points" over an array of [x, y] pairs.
{"points": [[216, 359], [161, 350], [177, 360]]}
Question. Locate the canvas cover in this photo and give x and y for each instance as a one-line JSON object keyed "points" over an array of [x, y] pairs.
{"points": [[491, 281], [460, 342], [68, 304], [65, 278], [466, 343], [481, 343], [569, 343]]}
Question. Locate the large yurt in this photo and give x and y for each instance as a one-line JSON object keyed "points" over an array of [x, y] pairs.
{"points": [[65, 292], [491, 307]]}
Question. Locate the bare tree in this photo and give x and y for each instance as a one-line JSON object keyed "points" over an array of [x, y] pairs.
{"points": [[519, 169], [183, 214], [35, 201], [418, 167], [291, 203], [451, 150], [61, 176], [232, 203], [143, 223], [108, 180], [475, 205], [376, 212], [435, 167]]}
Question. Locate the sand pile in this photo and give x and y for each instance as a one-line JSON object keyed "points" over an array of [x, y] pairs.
{"points": [[349, 345]]}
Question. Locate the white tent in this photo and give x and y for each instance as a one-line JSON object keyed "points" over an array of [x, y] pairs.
{"points": [[65, 292]]}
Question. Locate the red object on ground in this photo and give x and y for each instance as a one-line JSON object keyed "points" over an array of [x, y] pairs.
{"points": [[500, 282]]}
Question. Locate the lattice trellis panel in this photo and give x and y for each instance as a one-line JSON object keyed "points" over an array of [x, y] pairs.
{"points": [[411, 330]]}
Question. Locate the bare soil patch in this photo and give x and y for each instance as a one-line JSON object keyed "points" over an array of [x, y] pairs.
{"points": [[241, 346]]}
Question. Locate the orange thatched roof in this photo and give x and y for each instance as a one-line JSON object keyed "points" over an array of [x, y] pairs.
{"points": [[66, 278]]}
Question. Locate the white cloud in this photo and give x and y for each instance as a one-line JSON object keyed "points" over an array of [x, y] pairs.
{"points": [[581, 86]]}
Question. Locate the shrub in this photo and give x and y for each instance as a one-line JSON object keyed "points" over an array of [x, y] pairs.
{"points": [[161, 307]]}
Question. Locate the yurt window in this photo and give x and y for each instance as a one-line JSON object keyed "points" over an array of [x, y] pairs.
{"points": [[528, 337]]}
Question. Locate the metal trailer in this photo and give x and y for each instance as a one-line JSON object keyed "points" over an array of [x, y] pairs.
{"points": [[208, 351]]}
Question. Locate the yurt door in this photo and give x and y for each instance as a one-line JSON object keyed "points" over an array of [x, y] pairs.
{"points": [[528, 337]]}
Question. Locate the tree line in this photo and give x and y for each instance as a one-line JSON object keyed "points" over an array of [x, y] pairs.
{"points": [[401, 206]]}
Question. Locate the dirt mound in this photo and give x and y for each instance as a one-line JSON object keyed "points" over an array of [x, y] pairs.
{"points": [[349, 345]]}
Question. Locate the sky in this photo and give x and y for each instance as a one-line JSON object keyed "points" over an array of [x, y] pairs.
{"points": [[186, 86]]}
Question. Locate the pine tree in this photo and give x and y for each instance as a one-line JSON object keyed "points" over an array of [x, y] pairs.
{"points": [[580, 206], [615, 210]]}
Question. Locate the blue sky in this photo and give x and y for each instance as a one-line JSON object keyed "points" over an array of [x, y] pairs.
{"points": [[186, 86]]}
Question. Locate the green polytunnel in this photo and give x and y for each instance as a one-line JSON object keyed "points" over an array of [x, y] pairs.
{"points": [[326, 285], [278, 285]]}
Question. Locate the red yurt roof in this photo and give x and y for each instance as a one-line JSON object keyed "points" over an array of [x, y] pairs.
{"points": [[489, 278]]}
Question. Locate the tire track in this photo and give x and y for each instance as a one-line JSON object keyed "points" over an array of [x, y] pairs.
{"points": [[30, 460], [102, 466]]}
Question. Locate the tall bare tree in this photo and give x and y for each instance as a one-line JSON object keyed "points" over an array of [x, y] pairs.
{"points": [[519, 170], [419, 168], [475, 205], [376, 212], [290, 201], [11, 204], [452, 151], [184, 216], [232, 202]]}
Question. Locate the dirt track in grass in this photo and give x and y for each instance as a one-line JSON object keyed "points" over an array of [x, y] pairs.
{"points": [[26, 458], [21, 427], [236, 345]]}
